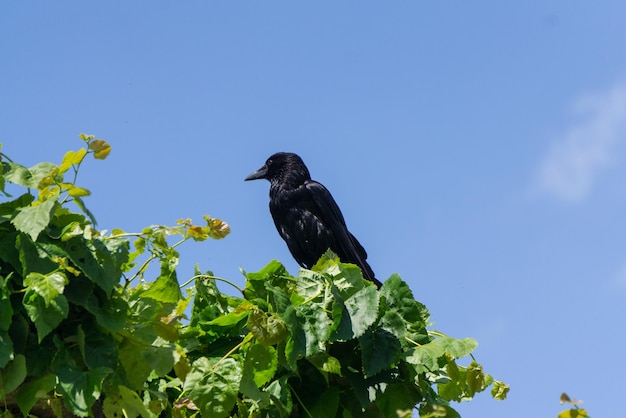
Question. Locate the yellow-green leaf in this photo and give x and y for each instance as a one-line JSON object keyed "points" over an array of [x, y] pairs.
{"points": [[100, 148], [499, 390], [574, 413], [86, 137], [198, 233], [218, 229], [72, 158], [77, 191]]}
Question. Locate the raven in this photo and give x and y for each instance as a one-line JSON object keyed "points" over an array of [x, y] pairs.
{"points": [[306, 215]]}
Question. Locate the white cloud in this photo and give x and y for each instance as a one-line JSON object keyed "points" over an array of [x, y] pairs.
{"points": [[574, 160]]}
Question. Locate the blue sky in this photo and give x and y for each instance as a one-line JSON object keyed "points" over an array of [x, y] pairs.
{"points": [[476, 148]]}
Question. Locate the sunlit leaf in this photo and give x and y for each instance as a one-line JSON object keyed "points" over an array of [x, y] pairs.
{"points": [[27, 177], [213, 387], [475, 378], [574, 413], [75, 191], [267, 329], [127, 404], [261, 362], [316, 325], [217, 228], [326, 363], [164, 289], [499, 390], [363, 309], [100, 148], [34, 219], [80, 389], [198, 233], [72, 158], [86, 137], [48, 286]]}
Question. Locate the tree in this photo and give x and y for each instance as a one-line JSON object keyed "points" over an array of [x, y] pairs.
{"points": [[85, 332]]}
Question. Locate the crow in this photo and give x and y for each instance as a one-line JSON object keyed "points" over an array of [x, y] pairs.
{"points": [[306, 215]]}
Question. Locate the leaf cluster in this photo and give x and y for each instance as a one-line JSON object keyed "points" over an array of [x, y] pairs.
{"points": [[323, 344], [87, 328]]}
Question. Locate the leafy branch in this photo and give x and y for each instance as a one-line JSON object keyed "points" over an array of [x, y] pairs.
{"points": [[88, 328]]}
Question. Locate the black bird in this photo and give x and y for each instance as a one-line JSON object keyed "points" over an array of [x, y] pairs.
{"points": [[307, 216]]}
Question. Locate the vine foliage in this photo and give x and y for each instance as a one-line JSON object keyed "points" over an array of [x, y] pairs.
{"points": [[88, 329]]}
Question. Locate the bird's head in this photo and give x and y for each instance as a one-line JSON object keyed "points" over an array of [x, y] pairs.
{"points": [[283, 168]]}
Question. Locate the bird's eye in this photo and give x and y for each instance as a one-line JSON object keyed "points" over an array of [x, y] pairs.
{"points": [[269, 162]]}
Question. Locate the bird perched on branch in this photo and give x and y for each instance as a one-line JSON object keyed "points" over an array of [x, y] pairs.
{"points": [[306, 215]]}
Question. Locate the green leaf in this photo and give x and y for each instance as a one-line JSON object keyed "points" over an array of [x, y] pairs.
{"points": [[425, 357], [48, 286], [6, 348], [7, 209], [273, 270], [111, 314], [326, 363], [316, 326], [261, 362], [6, 309], [32, 257], [46, 315], [475, 378], [27, 177], [310, 284], [33, 391], [400, 397], [135, 366], [235, 316], [78, 201], [97, 348], [165, 289], [81, 389], [12, 376], [379, 350], [161, 357], [363, 309], [394, 323], [456, 388], [100, 259], [280, 392], [398, 297], [456, 348], [126, 404], [295, 347], [256, 283], [213, 387], [33, 219], [267, 329], [500, 390]]}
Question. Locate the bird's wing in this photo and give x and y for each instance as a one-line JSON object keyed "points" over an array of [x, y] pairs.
{"points": [[348, 247]]}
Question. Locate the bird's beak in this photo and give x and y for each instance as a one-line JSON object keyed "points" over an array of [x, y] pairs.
{"points": [[259, 174]]}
